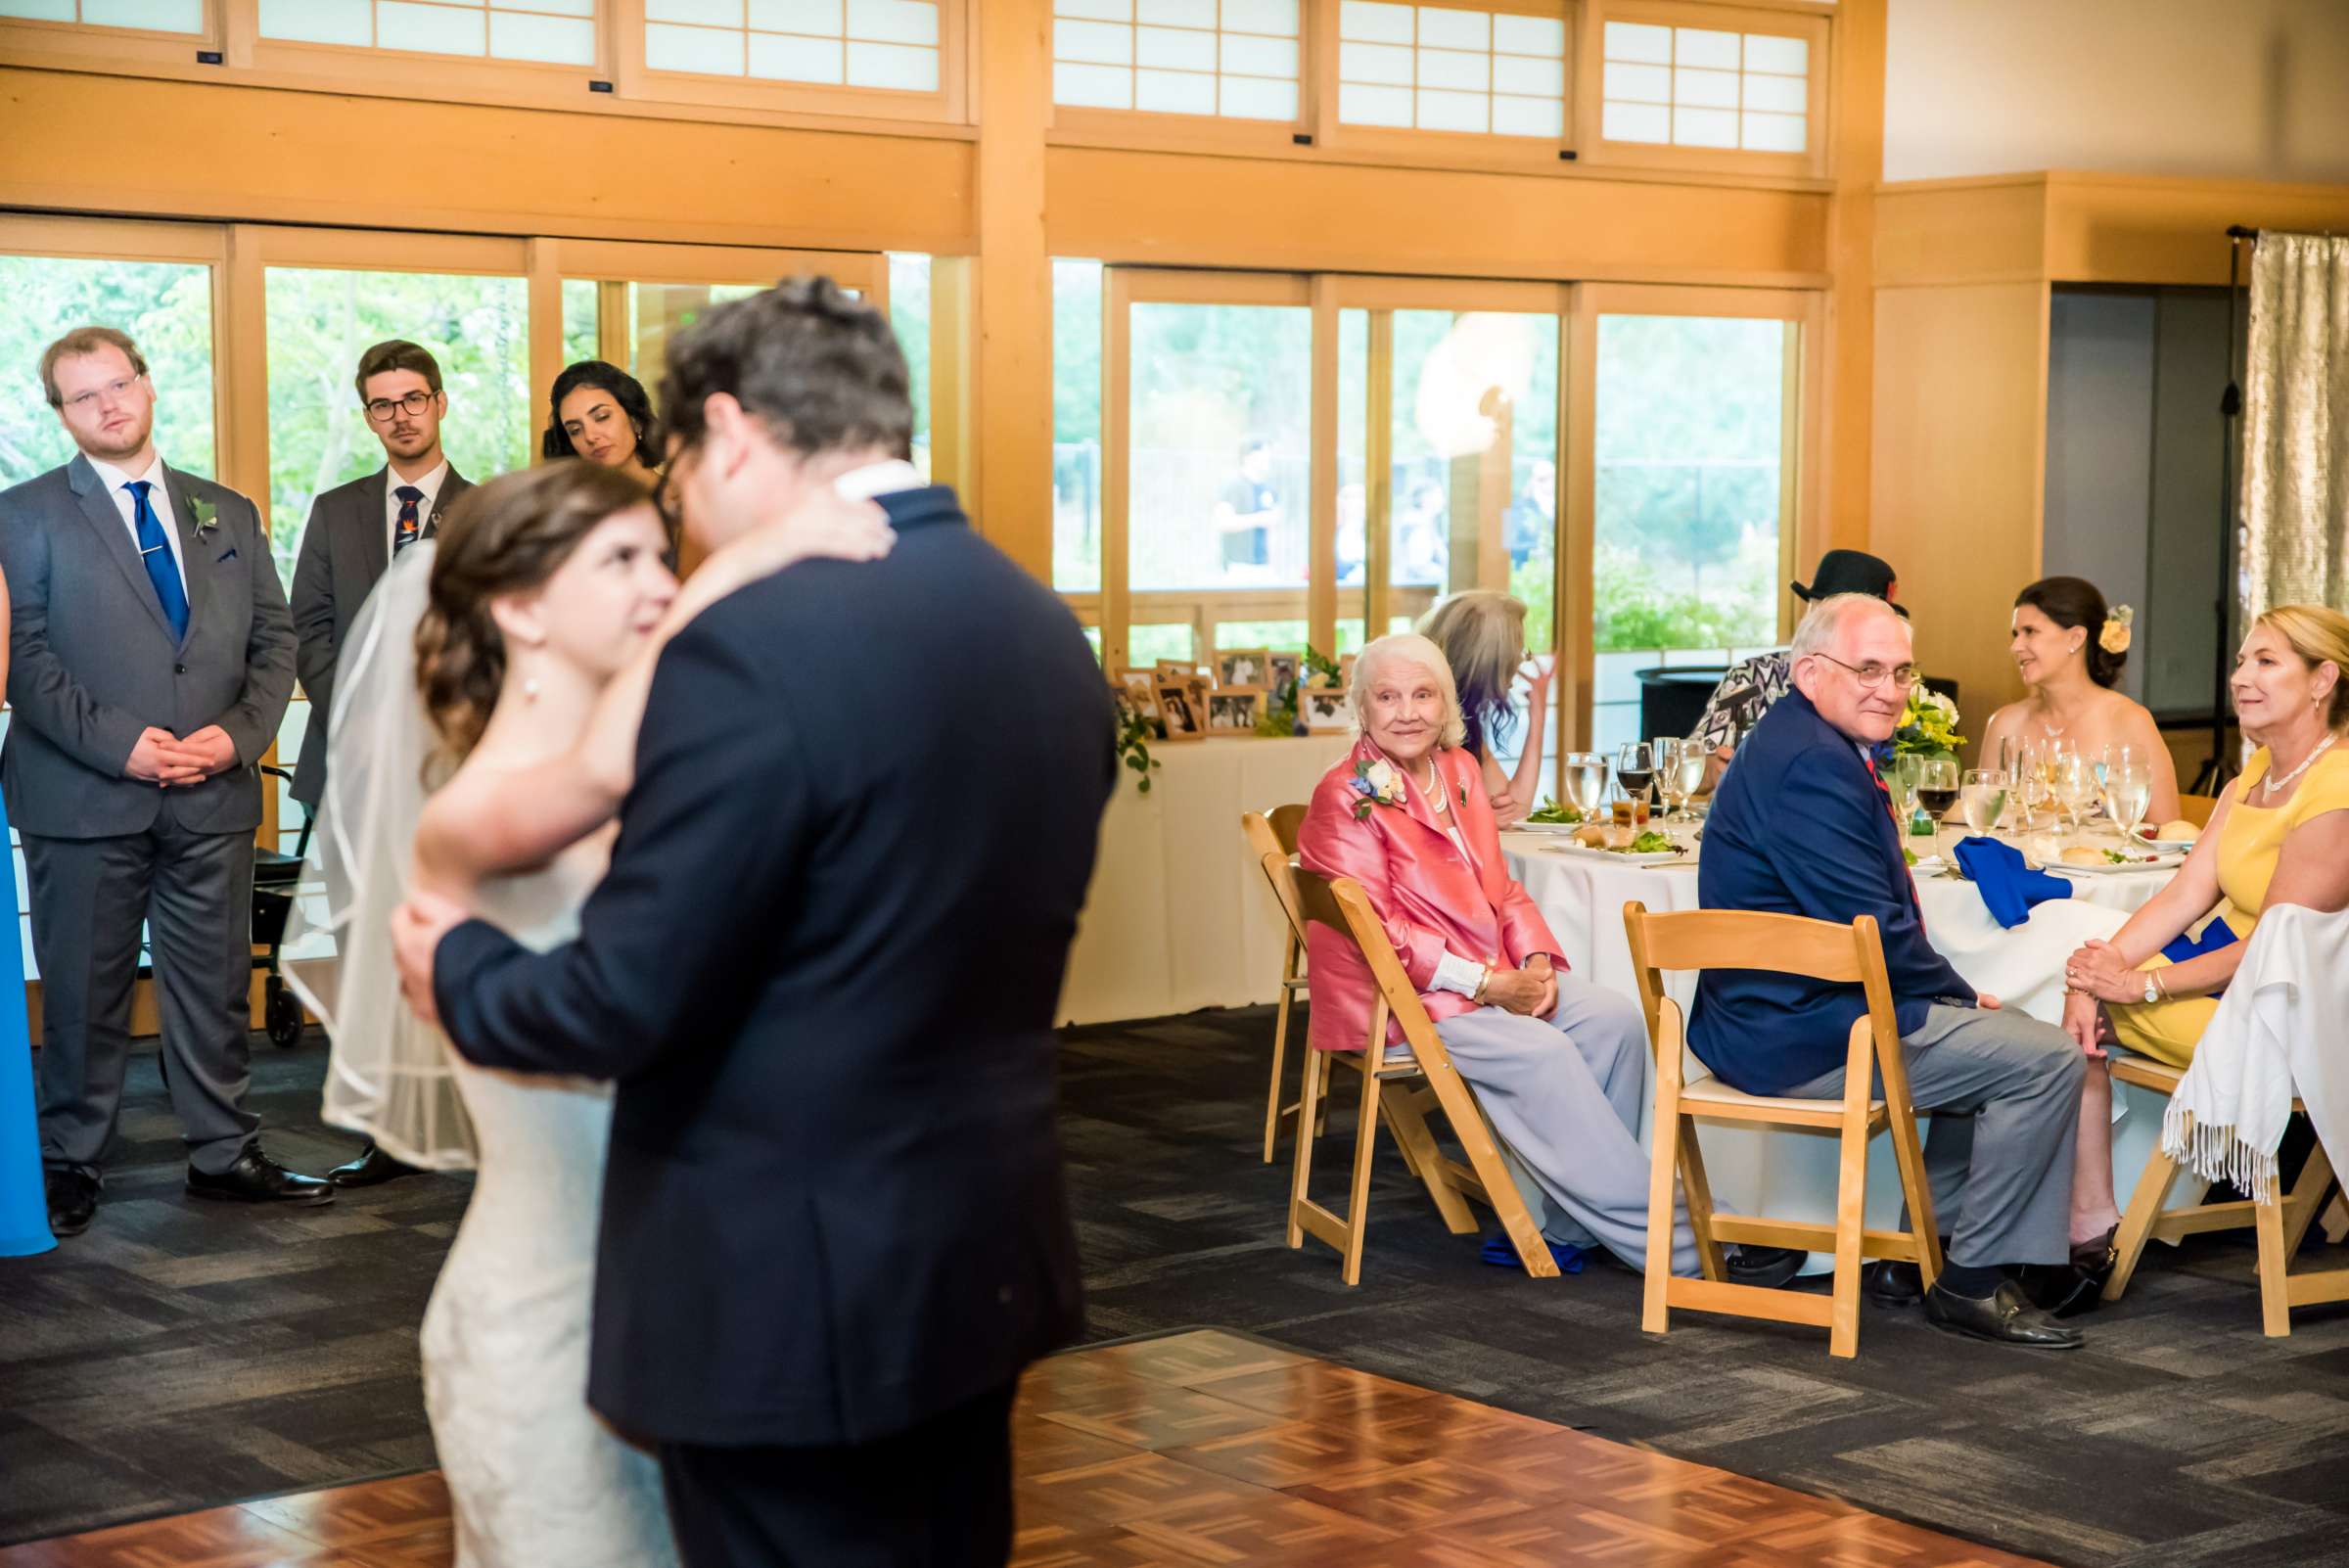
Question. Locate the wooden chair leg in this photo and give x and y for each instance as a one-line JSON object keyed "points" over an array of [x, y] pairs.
{"points": [[1917, 1190], [1308, 1105], [2336, 1218], [2300, 1208], [1696, 1187], [2274, 1299], [1477, 1142], [1851, 1219], [2137, 1220], [1408, 1117], [1663, 1158], [1358, 1202], [1280, 1048]]}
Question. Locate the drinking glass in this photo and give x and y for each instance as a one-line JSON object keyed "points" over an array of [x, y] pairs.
{"points": [[1586, 782], [1983, 796], [1907, 771], [2128, 791], [1937, 790], [1667, 751], [2074, 785], [1684, 777], [1636, 769]]}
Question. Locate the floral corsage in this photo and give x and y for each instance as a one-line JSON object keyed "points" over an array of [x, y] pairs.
{"points": [[206, 516], [1377, 783], [2114, 638]]}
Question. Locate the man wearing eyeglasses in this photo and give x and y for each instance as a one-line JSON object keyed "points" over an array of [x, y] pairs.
{"points": [[150, 660], [1803, 826], [354, 533]]}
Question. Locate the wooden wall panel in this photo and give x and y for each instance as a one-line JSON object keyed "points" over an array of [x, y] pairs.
{"points": [[1961, 231], [92, 143], [2118, 229], [1172, 209], [1957, 481], [1851, 321]]}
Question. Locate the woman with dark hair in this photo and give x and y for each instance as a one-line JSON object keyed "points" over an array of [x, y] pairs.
{"points": [[519, 641], [600, 412], [2070, 650], [1482, 634]]}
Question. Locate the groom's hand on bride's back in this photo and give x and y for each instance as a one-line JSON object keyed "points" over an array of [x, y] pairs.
{"points": [[417, 927]]}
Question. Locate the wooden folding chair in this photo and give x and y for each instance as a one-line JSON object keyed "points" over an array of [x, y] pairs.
{"points": [[1273, 838], [2281, 1218], [1402, 1090], [1787, 945], [2196, 808]]}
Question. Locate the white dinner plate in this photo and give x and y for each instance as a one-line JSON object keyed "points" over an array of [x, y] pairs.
{"points": [[2160, 863], [2165, 846], [1543, 827], [1616, 857]]}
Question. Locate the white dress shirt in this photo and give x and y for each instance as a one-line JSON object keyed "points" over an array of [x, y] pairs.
{"points": [[158, 497], [878, 478], [430, 484]]}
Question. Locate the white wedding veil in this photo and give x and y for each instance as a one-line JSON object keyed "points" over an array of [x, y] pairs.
{"points": [[389, 1074]]}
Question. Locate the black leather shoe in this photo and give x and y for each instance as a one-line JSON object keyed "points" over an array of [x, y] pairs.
{"points": [[2068, 1289], [1767, 1267], [1892, 1283], [258, 1178], [2005, 1317], [72, 1201], [373, 1168]]}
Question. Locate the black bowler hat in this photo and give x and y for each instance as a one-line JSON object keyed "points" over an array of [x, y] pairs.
{"points": [[1850, 571]]}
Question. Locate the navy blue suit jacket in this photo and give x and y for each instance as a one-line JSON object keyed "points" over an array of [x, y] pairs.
{"points": [[1799, 828], [824, 968]]}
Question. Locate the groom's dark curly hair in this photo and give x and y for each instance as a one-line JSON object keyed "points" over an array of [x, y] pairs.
{"points": [[819, 367]]}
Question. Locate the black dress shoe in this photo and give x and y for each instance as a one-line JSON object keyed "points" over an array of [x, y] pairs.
{"points": [[371, 1168], [1764, 1268], [2068, 1289], [2003, 1318], [1894, 1283], [72, 1201], [258, 1178]]}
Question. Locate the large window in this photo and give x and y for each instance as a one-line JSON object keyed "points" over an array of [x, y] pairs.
{"points": [[887, 44], [555, 33], [1236, 59], [1077, 470], [166, 307], [157, 15], [1436, 68], [320, 320]]}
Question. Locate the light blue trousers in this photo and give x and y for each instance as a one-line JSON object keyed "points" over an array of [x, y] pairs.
{"points": [[1567, 1112]]}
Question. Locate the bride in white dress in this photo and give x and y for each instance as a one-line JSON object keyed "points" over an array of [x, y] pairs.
{"points": [[514, 651]]}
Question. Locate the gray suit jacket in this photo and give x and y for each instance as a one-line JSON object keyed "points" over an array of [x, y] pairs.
{"points": [[344, 553], [92, 662]]}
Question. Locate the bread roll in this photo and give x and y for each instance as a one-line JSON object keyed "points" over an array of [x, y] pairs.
{"points": [[2082, 855], [2178, 831], [1591, 835]]}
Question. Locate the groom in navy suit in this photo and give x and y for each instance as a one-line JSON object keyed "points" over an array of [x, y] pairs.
{"points": [[1802, 825], [824, 968]]}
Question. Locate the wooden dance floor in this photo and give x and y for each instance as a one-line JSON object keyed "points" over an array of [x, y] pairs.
{"points": [[1206, 1450]]}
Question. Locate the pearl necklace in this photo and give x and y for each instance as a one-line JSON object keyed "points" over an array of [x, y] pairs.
{"points": [[2271, 784], [1434, 790]]}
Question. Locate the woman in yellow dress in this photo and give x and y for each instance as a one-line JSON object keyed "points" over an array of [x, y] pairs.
{"points": [[2280, 834]]}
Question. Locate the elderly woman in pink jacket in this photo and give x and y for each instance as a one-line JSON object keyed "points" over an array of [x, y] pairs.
{"points": [[1559, 1064]]}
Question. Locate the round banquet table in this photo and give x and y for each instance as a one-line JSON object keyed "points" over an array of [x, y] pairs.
{"points": [[1787, 1175]]}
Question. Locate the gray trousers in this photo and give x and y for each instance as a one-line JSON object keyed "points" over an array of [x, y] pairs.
{"points": [[88, 895], [1567, 1112], [2005, 1088]]}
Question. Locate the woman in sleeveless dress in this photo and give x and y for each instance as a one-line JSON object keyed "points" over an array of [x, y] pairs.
{"points": [[524, 637]]}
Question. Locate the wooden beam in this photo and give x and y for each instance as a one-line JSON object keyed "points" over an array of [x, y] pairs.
{"points": [[1014, 375], [1857, 131]]}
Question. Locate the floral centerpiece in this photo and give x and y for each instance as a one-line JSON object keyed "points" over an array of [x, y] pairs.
{"points": [[1928, 726], [1280, 717]]}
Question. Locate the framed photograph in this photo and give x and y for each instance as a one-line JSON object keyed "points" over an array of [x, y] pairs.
{"points": [[1182, 716], [1141, 682], [1324, 710], [1282, 669], [1251, 667], [1178, 670], [1141, 698], [1235, 710]]}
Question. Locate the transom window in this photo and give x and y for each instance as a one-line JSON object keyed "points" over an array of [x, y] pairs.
{"points": [[555, 33], [1704, 87], [1236, 59], [1437, 67], [887, 44], [156, 15]]}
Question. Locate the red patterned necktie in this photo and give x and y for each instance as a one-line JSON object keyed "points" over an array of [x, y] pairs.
{"points": [[1899, 830]]}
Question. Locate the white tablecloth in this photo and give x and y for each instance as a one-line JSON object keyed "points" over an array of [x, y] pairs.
{"points": [[1178, 916], [1787, 1176]]}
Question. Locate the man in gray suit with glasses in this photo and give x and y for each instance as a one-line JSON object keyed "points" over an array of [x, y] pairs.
{"points": [[150, 660], [355, 531]]}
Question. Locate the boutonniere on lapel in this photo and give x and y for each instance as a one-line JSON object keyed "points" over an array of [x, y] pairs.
{"points": [[1377, 783], [206, 516]]}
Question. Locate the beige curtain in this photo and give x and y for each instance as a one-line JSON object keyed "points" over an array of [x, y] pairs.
{"points": [[2297, 424]]}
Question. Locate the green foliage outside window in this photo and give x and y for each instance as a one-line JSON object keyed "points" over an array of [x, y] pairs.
{"points": [[166, 308]]}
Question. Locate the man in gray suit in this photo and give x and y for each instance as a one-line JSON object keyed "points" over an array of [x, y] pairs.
{"points": [[354, 533], [151, 658]]}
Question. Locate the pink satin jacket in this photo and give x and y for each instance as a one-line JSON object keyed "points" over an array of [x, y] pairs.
{"points": [[1431, 898]]}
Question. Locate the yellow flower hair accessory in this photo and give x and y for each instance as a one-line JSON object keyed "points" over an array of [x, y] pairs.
{"points": [[2114, 638]]}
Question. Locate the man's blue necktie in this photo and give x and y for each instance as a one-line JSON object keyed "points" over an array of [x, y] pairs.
{"points": [[156, 551]]}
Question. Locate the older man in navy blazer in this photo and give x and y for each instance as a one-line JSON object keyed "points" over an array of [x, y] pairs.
{"points": [[1802, 825]]}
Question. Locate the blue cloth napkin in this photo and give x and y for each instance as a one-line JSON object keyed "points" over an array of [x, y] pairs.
{"points": [[2009, 886], [2217, 934], [1501, 1254]]}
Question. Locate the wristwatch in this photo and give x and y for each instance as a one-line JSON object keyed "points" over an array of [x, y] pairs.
{"points": [[2152, 988]]}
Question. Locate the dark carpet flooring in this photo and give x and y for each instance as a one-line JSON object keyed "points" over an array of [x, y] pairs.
{"points": [[181, 1355]]}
